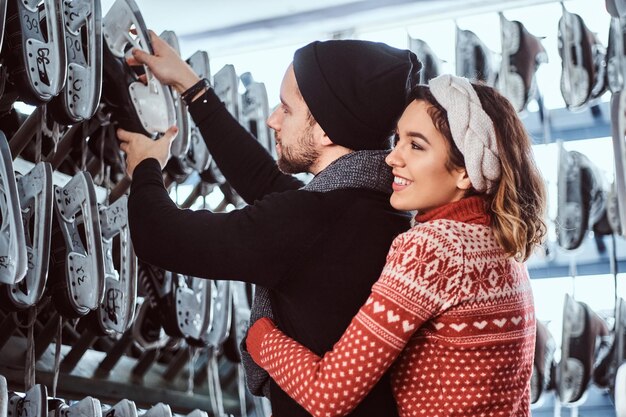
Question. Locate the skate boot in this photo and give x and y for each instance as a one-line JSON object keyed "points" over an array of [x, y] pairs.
{"points": [[13, 254], [124, 408], [583, 62], [36, 200], [522, 53], [582, 330], [198, 156], [473, 59], [431, 64], [35, 49], [544, 366], [79, 99], [77, 270], [33, 404], [135, 106], [255, 111]]}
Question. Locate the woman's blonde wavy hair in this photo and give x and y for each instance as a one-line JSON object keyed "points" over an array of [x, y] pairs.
{"points": [[518, 205]]}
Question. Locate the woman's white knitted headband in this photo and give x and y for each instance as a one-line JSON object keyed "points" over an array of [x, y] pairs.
{"points": [[472, 129]]}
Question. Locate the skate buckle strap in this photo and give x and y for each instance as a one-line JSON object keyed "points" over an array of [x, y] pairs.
{"points": [[194, 299], [521, 55], [117, 309], [124, 408], [198, 156], [222, 315], [473, 58], [152, 102], [583, 62], [43, 55], [431, 64], [255, 111], [84, 266], [13, 254], [33, 404], [36, 199], [80, 97]]}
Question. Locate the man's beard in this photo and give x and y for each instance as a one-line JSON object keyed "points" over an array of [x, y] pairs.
{"points": [[299, 157]]}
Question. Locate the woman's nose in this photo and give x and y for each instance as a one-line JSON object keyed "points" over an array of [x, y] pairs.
{"points": [[394, 159]]}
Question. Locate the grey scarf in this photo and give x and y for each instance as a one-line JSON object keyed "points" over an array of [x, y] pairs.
{"points": [[360, 169]]}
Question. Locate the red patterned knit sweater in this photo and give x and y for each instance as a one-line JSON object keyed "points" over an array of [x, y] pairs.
{"points": [[455, 312]]}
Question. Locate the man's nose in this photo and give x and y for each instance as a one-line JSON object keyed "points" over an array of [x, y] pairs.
{"points": [[273, 122]]}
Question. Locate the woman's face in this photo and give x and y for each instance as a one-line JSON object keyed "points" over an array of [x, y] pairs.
{"points": [[421, 178]]}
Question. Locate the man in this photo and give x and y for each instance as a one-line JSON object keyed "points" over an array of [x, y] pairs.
{"points": [[318, 248]]}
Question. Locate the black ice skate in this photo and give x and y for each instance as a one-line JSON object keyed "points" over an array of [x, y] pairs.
{"points": [[158, 410], [83, 43], [4, 397], [137, 107], [473, 58], [33, 404], [87, 407], [117, 309], [431, 64], [544, 366], [581, 198], [36, 60], [77, 272], [36, 199], [583, 62], [522, 53], [255, 111], [582, 329], [124, 408], [198, 156], [13, 254]]}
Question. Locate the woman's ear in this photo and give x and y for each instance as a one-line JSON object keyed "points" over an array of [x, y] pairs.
{"points": [[463, 182]]}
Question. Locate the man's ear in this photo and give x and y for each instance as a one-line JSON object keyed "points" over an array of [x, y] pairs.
{"points": [[463, 182], [321, 136]]}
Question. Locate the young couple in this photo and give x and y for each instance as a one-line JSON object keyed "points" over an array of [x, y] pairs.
{"points": [[451, 316]]}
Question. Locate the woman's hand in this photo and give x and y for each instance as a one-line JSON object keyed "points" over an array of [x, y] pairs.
{"points": [[256, 334]]}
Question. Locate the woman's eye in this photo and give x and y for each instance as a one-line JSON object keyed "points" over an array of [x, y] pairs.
{"points": [[416, 146], [396, 139]]}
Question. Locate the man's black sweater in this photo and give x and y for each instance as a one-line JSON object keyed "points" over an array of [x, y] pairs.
{"points": [[318, 253]]}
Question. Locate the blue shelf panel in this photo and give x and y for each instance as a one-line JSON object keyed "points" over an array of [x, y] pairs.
{"points": [[568, 125], [587, 259]]}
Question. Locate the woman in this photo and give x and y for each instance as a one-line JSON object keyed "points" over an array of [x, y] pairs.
{"points": [[453, 303]]}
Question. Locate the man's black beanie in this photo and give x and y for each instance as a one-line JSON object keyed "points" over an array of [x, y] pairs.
{"points": [[356, 90]]}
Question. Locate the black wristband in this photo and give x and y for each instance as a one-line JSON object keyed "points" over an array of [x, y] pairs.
{"points": [[191, 92]]}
